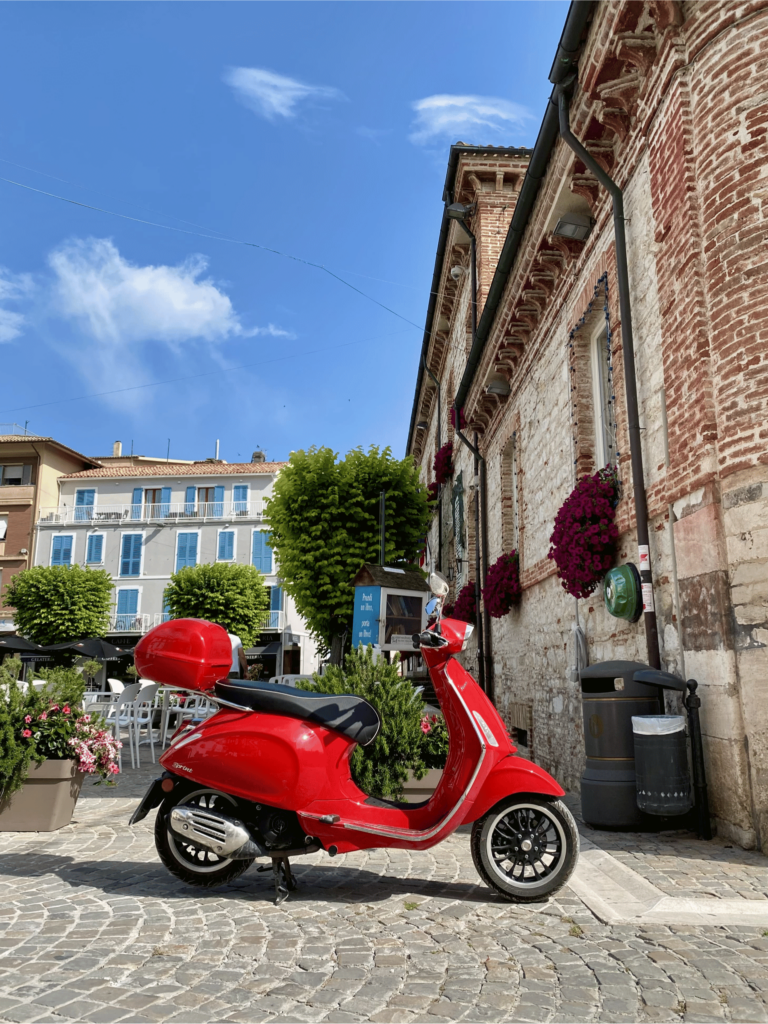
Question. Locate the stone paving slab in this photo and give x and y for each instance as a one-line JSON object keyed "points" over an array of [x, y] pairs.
{"points": [[93, 928]]}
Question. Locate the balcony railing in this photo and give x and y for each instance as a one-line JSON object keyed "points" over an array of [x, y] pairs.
{"points": [[165, 512], [129, 622]]}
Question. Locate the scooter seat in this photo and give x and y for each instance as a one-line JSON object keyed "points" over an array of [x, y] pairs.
{"points": [[344, 713]]}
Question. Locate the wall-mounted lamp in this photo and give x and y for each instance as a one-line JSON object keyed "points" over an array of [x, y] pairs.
{"points": [[573, 225], [422, 425], [457, 272], [498, 387], [458, 211]]}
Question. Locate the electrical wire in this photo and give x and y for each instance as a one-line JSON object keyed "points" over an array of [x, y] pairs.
{"points": [[217, 238], [194, 376]]}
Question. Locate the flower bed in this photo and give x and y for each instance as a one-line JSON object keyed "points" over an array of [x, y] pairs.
{"points": [[502, 585], [443, 464], [583, 542]]}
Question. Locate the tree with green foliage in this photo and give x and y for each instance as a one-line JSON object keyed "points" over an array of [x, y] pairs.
{"points": [[232, 595], [381, 769], [324, 522], [56, 603]]}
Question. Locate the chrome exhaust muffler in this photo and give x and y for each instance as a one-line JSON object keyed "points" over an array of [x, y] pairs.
{"points": [[227, 837]]}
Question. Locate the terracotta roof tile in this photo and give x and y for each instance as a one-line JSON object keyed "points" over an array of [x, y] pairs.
{"points": [[178, 469]]}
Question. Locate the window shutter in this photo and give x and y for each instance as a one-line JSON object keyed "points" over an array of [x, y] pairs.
{"points": [[186, 551], [218, 498], [240, 499], [262, 553], [95, 548], [26, 474], [165, 502], [226, 545], [84, 504], [138, 494], [267, 556], [130, 561], [192, 549], [61, 552], [189, 501], [276, 599], [127, 602]]}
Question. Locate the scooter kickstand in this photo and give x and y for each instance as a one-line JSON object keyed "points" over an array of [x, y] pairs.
{"points": [[281, 892]]}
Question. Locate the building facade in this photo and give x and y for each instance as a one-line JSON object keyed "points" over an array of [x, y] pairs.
{"points": [[143, 520], [30, 468], [670, 101]]}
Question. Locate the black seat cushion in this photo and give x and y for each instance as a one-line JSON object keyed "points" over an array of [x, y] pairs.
{"points": [[345, 713]]}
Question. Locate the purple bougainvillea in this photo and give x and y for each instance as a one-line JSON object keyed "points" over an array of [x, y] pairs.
{"points": [[462, 418], [432, 490], [464, 608], [502, 585], [583, 543], [443, 464]]}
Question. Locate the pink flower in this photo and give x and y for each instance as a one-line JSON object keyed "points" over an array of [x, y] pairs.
{"points": [[26, 733], [113, 769], [65, 709], [55, 707], [425, 726], [27, 719], [43, 716], [85, 718]]}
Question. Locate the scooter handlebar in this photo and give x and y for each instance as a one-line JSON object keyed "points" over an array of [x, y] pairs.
{"points": [[428, 639]]}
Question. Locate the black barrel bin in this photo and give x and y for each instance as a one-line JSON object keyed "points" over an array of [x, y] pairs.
{"points": [[610, 697], [661, 765]]}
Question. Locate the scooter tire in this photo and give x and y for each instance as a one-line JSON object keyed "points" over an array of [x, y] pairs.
{"points": [[556, 860], [205, 878]]}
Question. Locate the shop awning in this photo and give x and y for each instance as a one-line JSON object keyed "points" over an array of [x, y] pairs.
{"points": [[261, 652]]}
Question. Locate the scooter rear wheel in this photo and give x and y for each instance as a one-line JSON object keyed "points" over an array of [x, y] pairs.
{"points": [[196, 865], [526, 847]]}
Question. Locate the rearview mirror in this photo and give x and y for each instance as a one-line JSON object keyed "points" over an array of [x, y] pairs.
{"points": [[432, 606], [438, 584]]}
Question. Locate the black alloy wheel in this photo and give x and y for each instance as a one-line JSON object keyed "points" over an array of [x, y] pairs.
{"points": [[187, 860], [526, 847]]}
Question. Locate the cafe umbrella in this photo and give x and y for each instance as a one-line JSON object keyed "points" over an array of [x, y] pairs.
{"points": [[94, 647]]}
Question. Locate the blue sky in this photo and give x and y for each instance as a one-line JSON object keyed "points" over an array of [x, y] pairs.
{"points": [[317, 129]]}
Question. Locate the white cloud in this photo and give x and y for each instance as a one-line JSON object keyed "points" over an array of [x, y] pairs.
{"points": [[271, 95], [120, 308], [462, 117], [13, 287]]}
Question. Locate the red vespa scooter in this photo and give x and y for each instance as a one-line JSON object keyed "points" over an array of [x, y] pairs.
{"points": [[268, 774]]}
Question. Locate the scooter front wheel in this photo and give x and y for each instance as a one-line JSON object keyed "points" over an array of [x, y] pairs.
{"points": [[526, 847], [193, 863]]}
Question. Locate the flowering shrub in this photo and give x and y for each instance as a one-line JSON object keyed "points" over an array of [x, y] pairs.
{"points": [[464, 606], [583, 543], [502, 585], [36, 725], [432, 490], [462, 418], [443, 464], [434, 747]]}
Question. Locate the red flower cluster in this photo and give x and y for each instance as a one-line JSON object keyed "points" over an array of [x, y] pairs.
{"points": [[502, 585], [583, 543], [432, 490], [462, 418], [443, 464], [464, 608]]}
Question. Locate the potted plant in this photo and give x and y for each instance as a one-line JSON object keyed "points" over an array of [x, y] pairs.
{"points": [[583, 543], [443, 464], [502, 585], [47, 746]]}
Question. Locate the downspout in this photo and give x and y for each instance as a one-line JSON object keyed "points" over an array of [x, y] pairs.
{"points": [[438, 440], [630, 379]]}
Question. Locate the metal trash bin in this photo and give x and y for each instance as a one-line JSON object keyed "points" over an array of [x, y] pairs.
{"points": [[661, 765], [610, 698]]}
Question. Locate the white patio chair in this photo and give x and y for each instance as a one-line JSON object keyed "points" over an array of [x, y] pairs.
{"points": [[119, 715], [115, 686], [196, 709], [144, 708]]}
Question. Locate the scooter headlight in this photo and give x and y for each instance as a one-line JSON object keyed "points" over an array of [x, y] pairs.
{"points": [[469, 629]]}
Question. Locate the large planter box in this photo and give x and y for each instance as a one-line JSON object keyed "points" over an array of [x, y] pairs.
{"points": [[416, 790], [46, 801]]}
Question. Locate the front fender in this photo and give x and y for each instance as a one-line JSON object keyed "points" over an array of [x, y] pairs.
{"points": [[512, 775]]}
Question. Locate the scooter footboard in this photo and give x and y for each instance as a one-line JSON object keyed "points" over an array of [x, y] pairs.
{"points": [[512, 775]]}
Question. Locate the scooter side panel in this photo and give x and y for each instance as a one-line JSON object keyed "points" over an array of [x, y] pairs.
{"points": [[281, 761], [510, 776]]}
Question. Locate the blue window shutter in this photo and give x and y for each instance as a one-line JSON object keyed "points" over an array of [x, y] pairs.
{"points": [[186, 552], [189, 501], [61, 552], [267, 556], [130, 560], [276, 599], [95, 548], [262, 552], [84, 500], [218, 498], [138, 494], [127, 602], [240, 499], [226, 545], [165, 502], [192, 549]]}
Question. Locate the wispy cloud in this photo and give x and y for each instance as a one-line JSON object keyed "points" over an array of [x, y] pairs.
{"points": [[462, 117], [120, 308], [373, 134], [271, 95], [13, 288]]}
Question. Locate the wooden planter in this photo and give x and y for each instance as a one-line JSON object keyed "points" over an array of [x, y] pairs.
{"points": [[416, 790], [46, 801]]}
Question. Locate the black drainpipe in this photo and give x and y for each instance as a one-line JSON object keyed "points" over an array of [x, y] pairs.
{"points": [[438, 440], [630, 380]]}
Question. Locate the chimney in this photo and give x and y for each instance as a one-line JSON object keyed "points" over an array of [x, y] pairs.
{"points": [[117, 449], [258, 457]]}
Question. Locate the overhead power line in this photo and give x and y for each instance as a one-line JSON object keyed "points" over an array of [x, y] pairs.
{"points": [[216, 238]]}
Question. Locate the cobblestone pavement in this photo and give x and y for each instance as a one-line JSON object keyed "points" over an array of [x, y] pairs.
{"points": [[93, 928]]}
